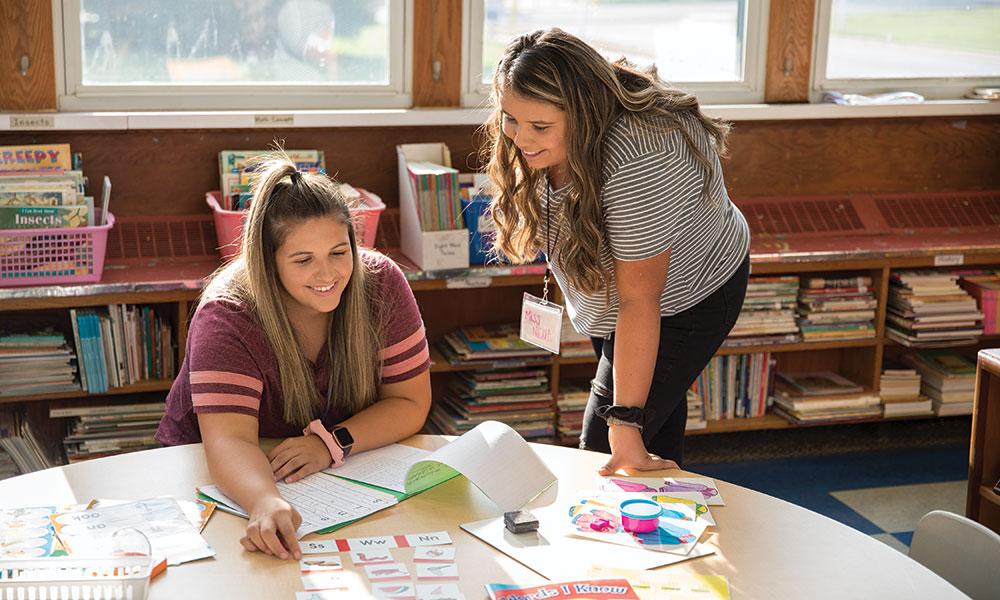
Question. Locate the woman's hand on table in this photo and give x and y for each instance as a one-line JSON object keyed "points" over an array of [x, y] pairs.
{"points": [[628, 452], [272, 527], [298, 457]]}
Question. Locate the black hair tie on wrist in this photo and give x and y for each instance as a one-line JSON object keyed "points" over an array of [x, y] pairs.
{"points": [[629, 414]]}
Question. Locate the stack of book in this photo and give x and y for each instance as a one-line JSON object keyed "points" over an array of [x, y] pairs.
{"points": [[36, 363], [40, 189], [696, 411], [439, 203], [20, 440], [823, 397], [121, 345], [899, 389], [837, 308], [571, 343], [737, 385], [519, 398], [99, 431], [985, 288], [490, 346], [947, 378], [571, 403], [236, 172], [768, 314], [928, 309]]}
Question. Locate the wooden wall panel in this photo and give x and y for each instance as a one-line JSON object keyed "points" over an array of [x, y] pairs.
{"points": [[437, 36], [168, 172], [864, 155], [789, 50], [26, 29]]}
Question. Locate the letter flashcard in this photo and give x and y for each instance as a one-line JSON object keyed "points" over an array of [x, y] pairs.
{"points": [[387, 572], [435, 554], [430, 572], [374, 556]]}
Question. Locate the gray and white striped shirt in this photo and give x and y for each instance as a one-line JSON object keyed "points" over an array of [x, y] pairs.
{"points": [[652, 200]]}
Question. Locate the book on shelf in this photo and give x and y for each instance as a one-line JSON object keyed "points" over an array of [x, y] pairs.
{"points": [[122, 345], [486, 343], [929, 309], [860, 281], [41, 158], [907, 406], [236, 171], [818, 383], [38, 363], [99, 431], [735, 386], [437, 193], [22, 441]]}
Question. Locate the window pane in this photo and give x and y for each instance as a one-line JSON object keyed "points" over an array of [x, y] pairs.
{"points": [[888, 39], [687, 40], [219, 42]]}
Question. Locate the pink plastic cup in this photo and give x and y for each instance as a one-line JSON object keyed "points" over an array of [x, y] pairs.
{"points": [[640, 515]]}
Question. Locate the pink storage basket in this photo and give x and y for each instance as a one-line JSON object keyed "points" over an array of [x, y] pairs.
{"points": [[55, 255], [229, 223]]}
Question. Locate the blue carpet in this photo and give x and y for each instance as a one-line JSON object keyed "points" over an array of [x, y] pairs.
{"points": [[808, 480]]}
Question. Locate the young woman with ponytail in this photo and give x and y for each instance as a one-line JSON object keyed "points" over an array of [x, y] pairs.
{"points": [[304, 336], [616, 177]]}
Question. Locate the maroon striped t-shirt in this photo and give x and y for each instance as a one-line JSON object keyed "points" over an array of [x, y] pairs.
{"points": [[229, 365]]}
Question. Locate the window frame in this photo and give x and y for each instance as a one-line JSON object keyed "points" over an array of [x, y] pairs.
{"points": [[73, 95], [931, 88], [750, 90]]}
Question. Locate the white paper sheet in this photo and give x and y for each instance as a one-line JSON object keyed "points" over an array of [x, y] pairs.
{"points": [[322, 501], [385, 467], [492, 456], [497, 460], [161, 519]]}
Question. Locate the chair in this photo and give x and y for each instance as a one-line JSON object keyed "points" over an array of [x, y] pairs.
{"points": [[961, 551]]}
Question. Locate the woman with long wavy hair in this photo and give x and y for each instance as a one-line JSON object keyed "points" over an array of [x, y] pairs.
{"points": [[616, 177], [306, 337]]}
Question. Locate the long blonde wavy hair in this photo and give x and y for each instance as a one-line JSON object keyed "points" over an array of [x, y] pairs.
{"points": [[556, 67], [283, 198]]}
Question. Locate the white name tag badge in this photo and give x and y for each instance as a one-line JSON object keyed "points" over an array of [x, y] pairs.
{"points": [[541, 323]]}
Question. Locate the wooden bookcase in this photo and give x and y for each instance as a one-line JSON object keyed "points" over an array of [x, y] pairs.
{"points": [[483, 296], [982, 503]]}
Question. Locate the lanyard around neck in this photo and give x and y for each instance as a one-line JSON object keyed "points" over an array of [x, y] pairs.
{"points": [[549, 243]]}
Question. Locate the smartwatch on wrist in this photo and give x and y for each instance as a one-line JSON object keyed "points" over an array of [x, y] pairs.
{"points": [[622, 415], [336, 452], [344, 439]]}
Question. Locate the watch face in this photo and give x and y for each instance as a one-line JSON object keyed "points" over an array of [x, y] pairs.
{"points": [[343, 437]]}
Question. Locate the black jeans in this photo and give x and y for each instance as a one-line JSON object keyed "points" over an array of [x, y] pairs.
{"points": [[688, 340]]}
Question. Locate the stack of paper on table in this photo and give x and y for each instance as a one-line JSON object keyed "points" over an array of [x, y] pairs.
{"points": [[562, 550], [163, 522]]}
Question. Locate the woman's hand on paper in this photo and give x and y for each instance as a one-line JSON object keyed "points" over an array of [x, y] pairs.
{"points": [[628, 452], [298, 457], [272, 527]]}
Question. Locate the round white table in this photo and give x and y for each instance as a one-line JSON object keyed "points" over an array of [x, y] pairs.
{"points": [[768, 548]]}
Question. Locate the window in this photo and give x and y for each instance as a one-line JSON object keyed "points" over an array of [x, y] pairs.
{"points": [[714, 48], [217, 54], [938, 48]]}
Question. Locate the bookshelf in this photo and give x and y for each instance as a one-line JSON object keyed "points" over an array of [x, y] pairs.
{"points": [[487, 295], [982, 503]]}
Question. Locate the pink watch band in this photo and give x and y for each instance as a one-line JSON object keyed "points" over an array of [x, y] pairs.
{"points": [[336, 453]]}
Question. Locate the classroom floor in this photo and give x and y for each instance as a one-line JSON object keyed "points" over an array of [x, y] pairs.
{"points": [[879, 478]]}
